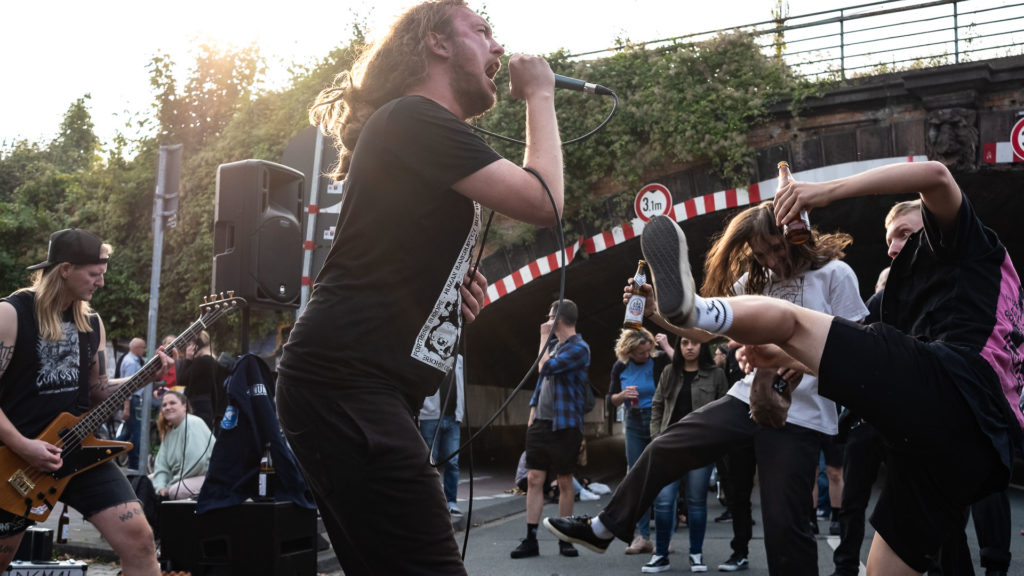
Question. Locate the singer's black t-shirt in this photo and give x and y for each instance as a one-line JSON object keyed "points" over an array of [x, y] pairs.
{"points": [[386, 309]]}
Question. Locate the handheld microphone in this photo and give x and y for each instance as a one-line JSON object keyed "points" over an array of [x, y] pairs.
{"points": [[567, 83]]}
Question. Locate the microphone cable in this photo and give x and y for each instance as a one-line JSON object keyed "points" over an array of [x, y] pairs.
{"points": [[515, 391], [461, 344], [615, 108]]}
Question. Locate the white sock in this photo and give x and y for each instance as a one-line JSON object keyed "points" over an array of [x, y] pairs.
{"points": [[713, 314], [599, 530]]}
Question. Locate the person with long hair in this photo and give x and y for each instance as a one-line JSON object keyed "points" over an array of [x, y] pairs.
{"points": [[751, 256], [396, 288], [949, 343], [691, 381], [634, 379], [53, 360], [203, 380], [186, 444]]}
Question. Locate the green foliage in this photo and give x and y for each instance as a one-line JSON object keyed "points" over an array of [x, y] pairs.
{"points": [[685, 104], [682, 105]]}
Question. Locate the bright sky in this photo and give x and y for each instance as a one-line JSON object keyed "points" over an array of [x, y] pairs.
{"points": [[56, 51]]}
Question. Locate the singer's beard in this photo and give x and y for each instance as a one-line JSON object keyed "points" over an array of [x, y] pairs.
{"points": [[473, 95]]}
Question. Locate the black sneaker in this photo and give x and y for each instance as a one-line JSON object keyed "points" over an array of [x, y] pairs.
{"points": [[833, 528], [664, 248], [527, 548], [567, 549], [735, 563], [577, 529], [655, 565], [724, 517]]}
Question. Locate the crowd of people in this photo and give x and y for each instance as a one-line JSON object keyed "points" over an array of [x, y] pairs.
{"points": [[945, 337]]}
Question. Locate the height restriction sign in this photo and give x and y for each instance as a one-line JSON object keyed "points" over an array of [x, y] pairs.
{"points": [[651, 200], [1017, 138]]}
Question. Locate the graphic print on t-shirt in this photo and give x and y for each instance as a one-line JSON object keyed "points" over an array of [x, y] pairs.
{"points": [[435, 343], [790, 290], [1014, 340], [58, 362]]}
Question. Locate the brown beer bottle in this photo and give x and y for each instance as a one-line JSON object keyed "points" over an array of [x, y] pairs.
{"points": [[267, 477], [798, 231], [63, 526], [635, 306]]}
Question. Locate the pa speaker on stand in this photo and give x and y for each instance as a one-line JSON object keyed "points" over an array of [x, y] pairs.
{"points": [[257, 237]]}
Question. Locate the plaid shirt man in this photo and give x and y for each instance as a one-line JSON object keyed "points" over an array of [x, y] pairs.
{"points": [[567, 370]]}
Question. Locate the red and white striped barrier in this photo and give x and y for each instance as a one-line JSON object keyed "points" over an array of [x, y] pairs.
{"points": [[692, 208], [999, 153]]}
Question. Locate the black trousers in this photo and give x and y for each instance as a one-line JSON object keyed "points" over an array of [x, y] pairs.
{"points": [[741, 464], [992, 525], [865, 452], [788, 458], [369, 468]]}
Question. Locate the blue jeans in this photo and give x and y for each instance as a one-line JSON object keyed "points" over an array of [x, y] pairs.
{"points": [[638, 436], [447, 443], [665, 517], [132, 431], [697, 482]]}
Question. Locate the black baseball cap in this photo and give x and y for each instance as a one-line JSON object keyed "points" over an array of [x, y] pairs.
{"points": [[74, 246]]}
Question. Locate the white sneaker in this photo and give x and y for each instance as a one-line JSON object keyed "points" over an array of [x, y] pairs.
{"points": [[587, 495], [697, 563], [656, 564]]}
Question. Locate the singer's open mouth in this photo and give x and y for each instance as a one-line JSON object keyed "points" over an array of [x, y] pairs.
{"points": [[492, 70]]}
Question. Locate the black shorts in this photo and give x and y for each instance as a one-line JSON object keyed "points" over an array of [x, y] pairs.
{"points": [[92, 491], [833, 451], [552, 450], [940, 461]]}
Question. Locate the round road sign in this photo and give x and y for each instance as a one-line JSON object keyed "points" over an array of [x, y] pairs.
{"points": [[1017, 138], [651, 200]]}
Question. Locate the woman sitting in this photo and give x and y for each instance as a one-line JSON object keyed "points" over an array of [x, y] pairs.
{"points": [[186, 445]]}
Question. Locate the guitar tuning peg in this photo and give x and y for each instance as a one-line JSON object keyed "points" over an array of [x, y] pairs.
{"points": [[205, 302], [221, 295], [231, 293]]}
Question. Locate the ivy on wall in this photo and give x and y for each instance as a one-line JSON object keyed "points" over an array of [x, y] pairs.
{"points": [[682, 104]]}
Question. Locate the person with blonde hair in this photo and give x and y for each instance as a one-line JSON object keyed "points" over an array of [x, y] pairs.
{"points": [[53, 360], [186, 444], [634, 379], [394, 304]]}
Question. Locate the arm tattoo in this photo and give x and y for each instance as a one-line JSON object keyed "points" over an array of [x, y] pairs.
{"points": [[6, 353], [7, 549]]}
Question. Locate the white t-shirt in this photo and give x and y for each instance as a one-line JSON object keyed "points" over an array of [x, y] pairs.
{"points": [[831, 289]]}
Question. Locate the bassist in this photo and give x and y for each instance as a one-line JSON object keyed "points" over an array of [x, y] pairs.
{"points": [[52, 361]]}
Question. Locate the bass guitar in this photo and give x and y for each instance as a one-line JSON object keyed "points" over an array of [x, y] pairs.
{"points": [[32, 493]]}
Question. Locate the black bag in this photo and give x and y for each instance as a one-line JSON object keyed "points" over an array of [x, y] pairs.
{"points": [[589, 397], [149, 499]]}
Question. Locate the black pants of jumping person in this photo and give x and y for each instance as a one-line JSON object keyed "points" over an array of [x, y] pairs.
{"points": [[787, 457]]}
